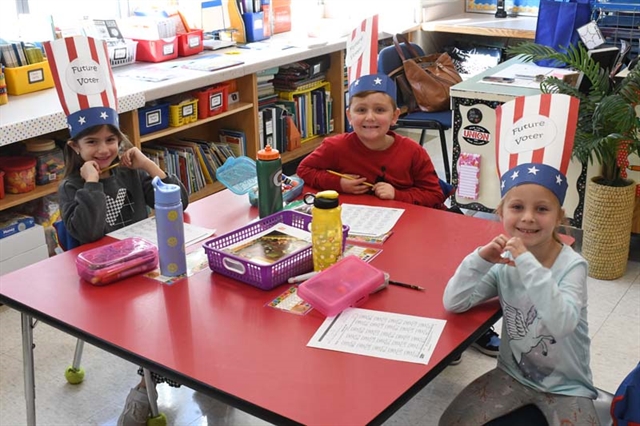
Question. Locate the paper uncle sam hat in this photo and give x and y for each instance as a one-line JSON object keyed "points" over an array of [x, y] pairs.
{"points": [[82, 73], [373, 82], [534, 140]]}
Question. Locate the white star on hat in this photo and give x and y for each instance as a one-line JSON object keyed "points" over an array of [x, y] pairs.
{"points": [[104, 115], [355, 83], [502, 185], [533, 170], [82, 120], [515, 174], [378, 80], [559, 179]]}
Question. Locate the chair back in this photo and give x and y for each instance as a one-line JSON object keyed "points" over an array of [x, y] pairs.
{"points": [[65, 240], [389, 60]]}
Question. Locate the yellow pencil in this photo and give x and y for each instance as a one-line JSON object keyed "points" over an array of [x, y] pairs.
{"points": [[348, 177], [110, 167]]}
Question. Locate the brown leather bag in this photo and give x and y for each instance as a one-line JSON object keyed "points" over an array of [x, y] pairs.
{"points": [[424, 81]]}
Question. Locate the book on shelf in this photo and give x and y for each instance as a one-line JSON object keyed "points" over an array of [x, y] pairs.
{"points": [[235, 139], [271, 245]]}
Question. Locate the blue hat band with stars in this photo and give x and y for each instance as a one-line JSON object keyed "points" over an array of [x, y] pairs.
{"points": [[537, 173], [80, 121], [374, 83]]}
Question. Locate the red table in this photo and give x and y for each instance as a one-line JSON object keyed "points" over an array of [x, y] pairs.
{"points": [[216, 335]]}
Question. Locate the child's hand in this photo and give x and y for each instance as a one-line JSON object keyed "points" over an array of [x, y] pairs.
{"points": [[354, 186], [133, 158], [492, 252], [384, 191], [90, 171], [516, 247]]}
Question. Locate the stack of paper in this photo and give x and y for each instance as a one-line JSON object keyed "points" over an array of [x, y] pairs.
{"points": [[468, 175]]}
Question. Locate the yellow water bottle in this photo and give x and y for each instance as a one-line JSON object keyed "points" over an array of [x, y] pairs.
{"points": [[326, 230]]}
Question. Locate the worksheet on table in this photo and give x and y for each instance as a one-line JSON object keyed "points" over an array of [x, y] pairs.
{"points": [[147, 229], [368, 220], [380, 334]]}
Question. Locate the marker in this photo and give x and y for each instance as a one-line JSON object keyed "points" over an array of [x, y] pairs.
{"points": [[411, 286], [348, 177], [495, 79], [301, 278]]}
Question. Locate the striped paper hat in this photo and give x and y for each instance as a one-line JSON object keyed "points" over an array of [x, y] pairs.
{"points": [[84, 82], [534, 140]]}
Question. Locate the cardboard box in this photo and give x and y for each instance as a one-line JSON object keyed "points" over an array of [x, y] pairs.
{"points": [[22, 242], [25, 259], [12, 223]]}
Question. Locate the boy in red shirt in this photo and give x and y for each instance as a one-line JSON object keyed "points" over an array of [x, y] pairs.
{"points": [[391, 166]]}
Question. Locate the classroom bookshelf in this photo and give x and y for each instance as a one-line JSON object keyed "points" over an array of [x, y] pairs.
{"points": [[242, 115]]}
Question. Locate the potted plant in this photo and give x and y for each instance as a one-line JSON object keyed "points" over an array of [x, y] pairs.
{"points": [[607, 132]]}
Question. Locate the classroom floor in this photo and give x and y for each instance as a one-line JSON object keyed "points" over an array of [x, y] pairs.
{"points": [[614, 327]]}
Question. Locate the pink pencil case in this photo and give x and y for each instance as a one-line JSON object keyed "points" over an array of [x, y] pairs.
{"points": [[115, 261]]}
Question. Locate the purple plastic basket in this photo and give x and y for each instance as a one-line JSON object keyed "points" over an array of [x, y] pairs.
{"points": [[264, 277]]}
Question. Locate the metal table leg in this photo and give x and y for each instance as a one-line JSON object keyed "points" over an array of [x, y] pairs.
{"points": [[152, 393], [28, 369]]}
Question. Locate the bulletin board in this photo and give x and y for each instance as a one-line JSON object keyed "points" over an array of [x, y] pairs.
{"points": [[522, 7]]}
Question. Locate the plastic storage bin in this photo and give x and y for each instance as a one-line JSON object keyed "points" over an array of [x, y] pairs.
{"points": [[190, 43], [19, 174], [115, 261], [183, 113], [212, 100], [348, 282], [29, 78], [153, 118], [49, 160], [160, 50], [122, 52], [239, 175], [264, 277]]}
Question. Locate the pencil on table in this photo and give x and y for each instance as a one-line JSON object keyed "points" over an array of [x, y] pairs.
{"points": [[348, 177]]}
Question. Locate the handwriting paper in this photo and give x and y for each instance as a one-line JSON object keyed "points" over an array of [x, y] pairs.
{"points": [[469, 175], [380, 334], [368, 220], [147, 229]]}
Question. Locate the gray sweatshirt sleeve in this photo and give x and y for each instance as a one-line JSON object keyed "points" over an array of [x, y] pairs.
{"points": [[84, 209]]}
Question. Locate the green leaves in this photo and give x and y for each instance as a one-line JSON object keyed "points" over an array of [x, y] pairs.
{"points": [[607, 115]]}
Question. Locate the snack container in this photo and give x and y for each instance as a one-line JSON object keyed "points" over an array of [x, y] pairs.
{"points": [[346, 283], [118, 260], [19, 174]]}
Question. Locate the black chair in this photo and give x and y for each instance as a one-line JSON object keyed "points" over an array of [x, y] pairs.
{"points": [[389, 60]]}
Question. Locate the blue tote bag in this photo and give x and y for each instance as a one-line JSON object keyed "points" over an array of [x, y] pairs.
{"points": [[557, 25]]}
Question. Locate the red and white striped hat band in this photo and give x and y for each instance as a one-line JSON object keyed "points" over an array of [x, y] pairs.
{"points": [[84, 81], [534, 141]]}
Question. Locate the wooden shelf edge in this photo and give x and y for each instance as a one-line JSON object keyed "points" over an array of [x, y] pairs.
{"points": [[233, 109], [206, 191], [12, 200], [304, 149]]}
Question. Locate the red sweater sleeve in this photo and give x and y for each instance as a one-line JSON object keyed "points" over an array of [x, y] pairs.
{"points": [[313, 168]]}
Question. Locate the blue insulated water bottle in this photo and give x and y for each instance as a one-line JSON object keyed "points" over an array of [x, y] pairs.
{"points": [[170, 228]]}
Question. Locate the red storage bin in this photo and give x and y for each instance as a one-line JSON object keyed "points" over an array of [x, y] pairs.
{"points": [[212, 100], [160, 50], [190, 43]]}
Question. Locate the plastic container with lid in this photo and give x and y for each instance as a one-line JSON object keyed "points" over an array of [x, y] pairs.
{"points": [[115, 261], [348, 282], [19, 174], [49, 160]]}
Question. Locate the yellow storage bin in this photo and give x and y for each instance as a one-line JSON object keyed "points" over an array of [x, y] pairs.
{"points": [[29, 78], [183, 113]]}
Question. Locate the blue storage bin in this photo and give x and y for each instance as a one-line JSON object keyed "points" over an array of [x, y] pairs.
{"points": [[153, 118]]}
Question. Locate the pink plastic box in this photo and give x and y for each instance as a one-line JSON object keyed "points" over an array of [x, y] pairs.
{"points": [[348, 282], [115, 261]]}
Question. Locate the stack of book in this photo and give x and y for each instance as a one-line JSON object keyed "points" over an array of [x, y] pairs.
{"points": [[195, 161], [266, 90]]}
